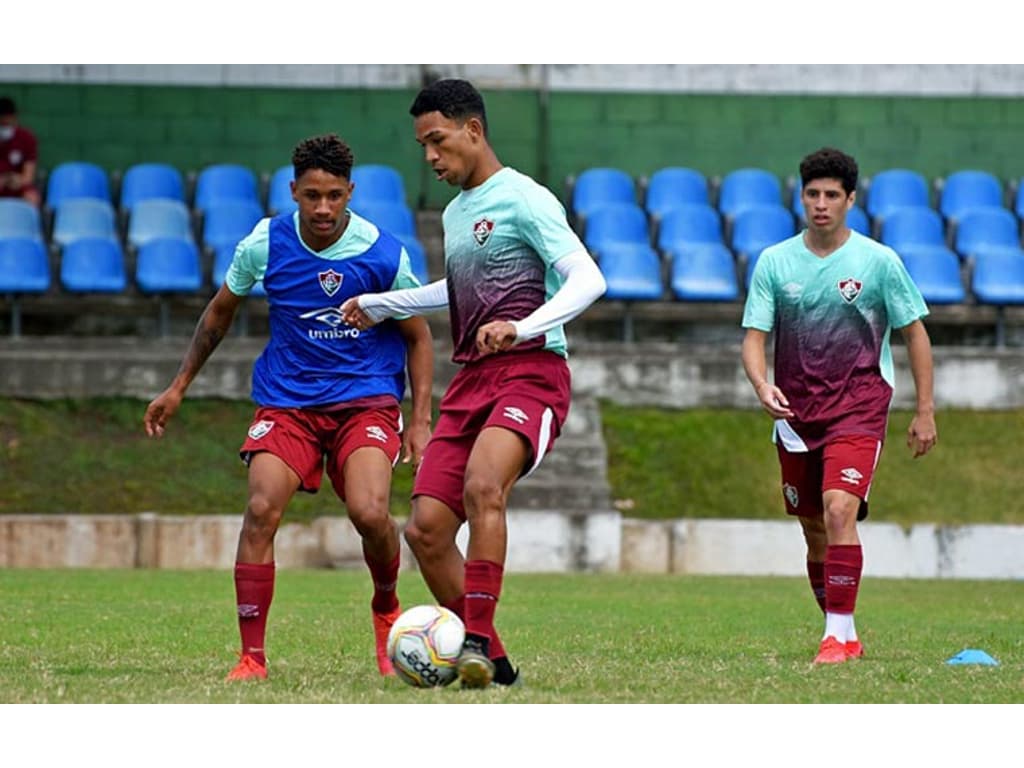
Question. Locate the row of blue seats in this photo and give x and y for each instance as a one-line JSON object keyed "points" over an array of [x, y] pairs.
{"points": [[951, 196], [708, 272]]}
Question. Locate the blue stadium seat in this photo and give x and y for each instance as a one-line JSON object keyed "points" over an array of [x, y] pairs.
{"points": [[24, 268], [915, 225], [19, 219], [279, 193], [93, 265], [965, 190], [935, 269], [615, 223], [377, 183], [704, 272], [228, 221], [687, 224], [671, 187], [757, 227], [417, 257], [596, 187], [78, 179], [79, 217], [982, 229], [396, 218], [158, 217], [998, 277], [745, 187], [857, 220], [221, 261], [632, 271], [168, 265], [148, 181], [217, 183], [895, 188]]}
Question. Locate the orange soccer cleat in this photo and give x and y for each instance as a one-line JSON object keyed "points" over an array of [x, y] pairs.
{"points": [[382, 623], [248, 668], [831, 651]]}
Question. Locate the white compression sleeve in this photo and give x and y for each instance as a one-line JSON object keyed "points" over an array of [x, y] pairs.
{"points": [[408, 301], [583, 285]]}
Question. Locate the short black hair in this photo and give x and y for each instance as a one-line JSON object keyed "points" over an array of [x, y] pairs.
{"points": [[328, 153], [830, 163], [7, 106], [455, 99]]}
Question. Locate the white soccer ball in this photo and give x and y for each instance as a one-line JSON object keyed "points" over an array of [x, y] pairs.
{"points": [[424, 645]]}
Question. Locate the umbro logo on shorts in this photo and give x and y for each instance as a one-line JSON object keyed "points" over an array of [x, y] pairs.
{"points": [[851, 476], [260, 429], [377, 434], [517, 415]]}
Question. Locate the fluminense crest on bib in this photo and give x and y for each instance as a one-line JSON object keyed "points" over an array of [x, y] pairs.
{"points": [[330, 281], [849, 289], [482, 231]]}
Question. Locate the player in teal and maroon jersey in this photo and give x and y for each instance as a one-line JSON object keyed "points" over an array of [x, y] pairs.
{"points": [[327, 396], [515, 274], [831, 297]]}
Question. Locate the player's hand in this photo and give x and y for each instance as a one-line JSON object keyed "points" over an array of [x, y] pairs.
{"points": [[354, 315], [159, 412], [495, 337], [773, 401], [414, 441], [922, 434]]}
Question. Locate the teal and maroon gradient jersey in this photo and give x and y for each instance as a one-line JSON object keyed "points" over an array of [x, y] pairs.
{"points": [[832, 318]]}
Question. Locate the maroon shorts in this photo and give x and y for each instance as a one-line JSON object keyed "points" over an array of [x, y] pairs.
{"points": [[846, 463], [303, 439], [526, 392]]}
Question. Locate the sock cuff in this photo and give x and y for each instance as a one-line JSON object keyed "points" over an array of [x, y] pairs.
{"points": [[845, 554], [255, 571]]}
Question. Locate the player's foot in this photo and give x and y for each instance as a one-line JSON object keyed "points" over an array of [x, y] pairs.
{"points": [[475, 669], [248, 668], [854, 649], [831, 651], [382, 623], [505, 674]]}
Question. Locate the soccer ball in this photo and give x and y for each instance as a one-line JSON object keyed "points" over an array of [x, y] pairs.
{"points": [[424, 645]]}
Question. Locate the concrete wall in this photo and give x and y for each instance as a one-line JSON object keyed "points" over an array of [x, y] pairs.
{"points": [[539, 542]]}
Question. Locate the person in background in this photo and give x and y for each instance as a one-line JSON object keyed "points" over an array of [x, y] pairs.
{"points": [[19, 156]]}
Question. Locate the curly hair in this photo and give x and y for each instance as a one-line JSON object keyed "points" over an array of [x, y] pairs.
{"points": [[829, 163], [453, 98], [328, 153]]}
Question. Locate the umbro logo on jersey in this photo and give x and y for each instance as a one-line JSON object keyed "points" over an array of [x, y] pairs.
{"points": [[377, 434], [517, 415], [330, 281], [791, 495], [260, 429], [849, 289], [482, 231], [851, 475]]}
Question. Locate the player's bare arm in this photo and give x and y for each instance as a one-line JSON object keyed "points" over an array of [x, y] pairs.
{"points": [[212, 327], [420, 364], [922, 435], [756, 366]]}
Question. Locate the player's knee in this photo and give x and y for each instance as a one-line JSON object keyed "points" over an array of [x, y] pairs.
{"points": [[262, 517], [482, 495], [422, 541], [371, 516], [841, 513]]}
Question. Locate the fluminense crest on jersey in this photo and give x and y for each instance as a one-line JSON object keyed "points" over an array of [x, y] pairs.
{"points": [[849, 289], [482, 231], [330, 281]]}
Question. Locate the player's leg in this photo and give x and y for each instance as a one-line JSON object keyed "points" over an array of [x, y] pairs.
{"points": [[272, 483], [360, 462], [801, 494], [498, 458], [431, 532]]}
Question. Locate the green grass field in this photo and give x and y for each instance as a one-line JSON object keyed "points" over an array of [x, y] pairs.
{"points": [[171, 637]]}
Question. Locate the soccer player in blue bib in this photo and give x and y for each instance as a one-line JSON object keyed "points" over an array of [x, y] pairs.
{"points": [[515, 274], [328, 396], [831, 296]]}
